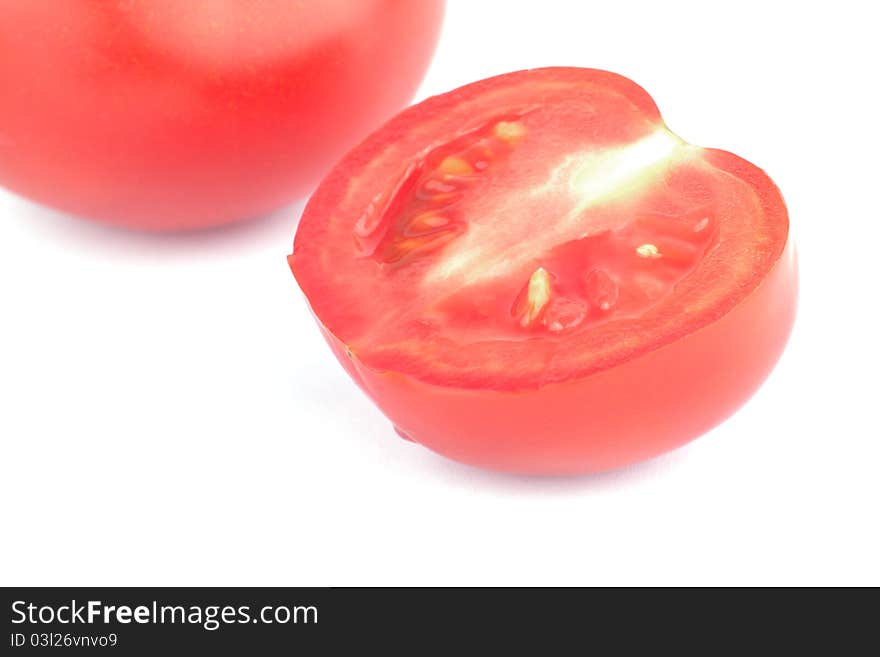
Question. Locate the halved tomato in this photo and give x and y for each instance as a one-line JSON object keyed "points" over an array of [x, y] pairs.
{"points": [[532, 273]]}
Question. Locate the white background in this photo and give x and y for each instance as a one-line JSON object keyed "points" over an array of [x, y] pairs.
{"points": [[169, 413]]}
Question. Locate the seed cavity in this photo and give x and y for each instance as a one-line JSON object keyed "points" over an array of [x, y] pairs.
{"points": [[399, 250], [371, 227], [601, 289], [648, 251], [565, 313], [651, 287], [434, 188], [419, 213]]}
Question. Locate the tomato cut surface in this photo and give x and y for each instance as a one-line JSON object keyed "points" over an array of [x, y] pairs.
{"points": [[530, 233]]}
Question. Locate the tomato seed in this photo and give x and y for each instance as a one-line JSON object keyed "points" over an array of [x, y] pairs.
{"points": [[455, 166], [509, 130], [426, 222], [538, 291], [648, 251]]}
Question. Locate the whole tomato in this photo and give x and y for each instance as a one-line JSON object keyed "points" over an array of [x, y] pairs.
{"points": [[183, 114]]}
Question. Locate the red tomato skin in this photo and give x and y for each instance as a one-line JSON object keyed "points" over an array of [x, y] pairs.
{"points": [[627, 413], [158, 115]]}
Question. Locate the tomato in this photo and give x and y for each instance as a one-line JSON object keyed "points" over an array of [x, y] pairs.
{"points": [[532, 273], [182, 114]]}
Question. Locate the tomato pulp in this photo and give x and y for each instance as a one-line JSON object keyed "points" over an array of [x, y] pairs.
{"points": [[182, 114], [532, 273]]}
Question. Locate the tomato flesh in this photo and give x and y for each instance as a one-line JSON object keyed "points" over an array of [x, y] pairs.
{"points": [[526, 234]]}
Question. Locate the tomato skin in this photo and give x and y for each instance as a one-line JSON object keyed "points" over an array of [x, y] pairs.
{"points": [[180, 114], [636, 410], [622, 415]]}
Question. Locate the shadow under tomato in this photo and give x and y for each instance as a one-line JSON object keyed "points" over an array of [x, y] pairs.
{"points": [[466, 475], [274, 230]]}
